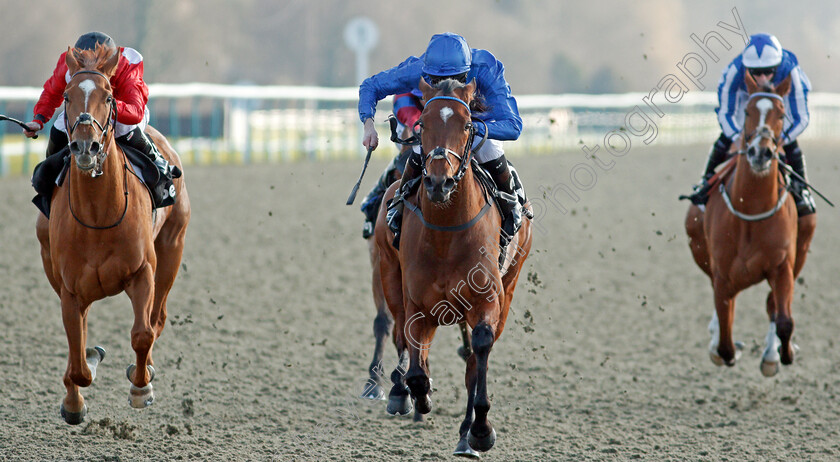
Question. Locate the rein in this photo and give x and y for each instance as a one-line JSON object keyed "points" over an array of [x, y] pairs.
{"points": [[125, 207]]}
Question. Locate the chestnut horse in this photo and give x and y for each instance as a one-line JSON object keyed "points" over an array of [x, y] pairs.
{"points": [[447, 270], [750, 233], [104, 237]]}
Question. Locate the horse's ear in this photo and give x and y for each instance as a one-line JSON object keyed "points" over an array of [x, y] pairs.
{"points": [[425, 88], [783, 88], [109, 67], [469, 90], [752, 87], [70, 60]]}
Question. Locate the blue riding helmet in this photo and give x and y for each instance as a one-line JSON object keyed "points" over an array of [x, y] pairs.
{"points": [[447, 54], [91, 39], [763, 51]]}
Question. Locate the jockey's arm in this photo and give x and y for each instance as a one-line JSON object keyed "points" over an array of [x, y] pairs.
{"points": [[797, 105], [502, 118], [52, 96], [131, 94]]}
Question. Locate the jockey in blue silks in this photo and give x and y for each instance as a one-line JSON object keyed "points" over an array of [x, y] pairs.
{"points": [[447, 57], [767, 62]]}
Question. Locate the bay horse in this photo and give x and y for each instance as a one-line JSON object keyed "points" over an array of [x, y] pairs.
{"points": [[749, 233], [447, 269], [104, 237], [383, 322]]}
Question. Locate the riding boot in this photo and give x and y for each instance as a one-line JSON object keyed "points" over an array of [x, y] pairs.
{"points": [[506, 195], [413, 168], [716, 157], [371, 202], [139, 141], [58, 141], [163, 191], [804, 201]]}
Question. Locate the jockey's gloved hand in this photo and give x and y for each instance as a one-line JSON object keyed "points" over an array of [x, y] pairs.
{"points": [[34, 127], [370, 139]]}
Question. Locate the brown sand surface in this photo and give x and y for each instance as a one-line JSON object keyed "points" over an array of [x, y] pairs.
{"points": [[270, 333]]}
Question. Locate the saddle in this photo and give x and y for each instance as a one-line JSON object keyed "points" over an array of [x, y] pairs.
{"points": [[52, 171]]}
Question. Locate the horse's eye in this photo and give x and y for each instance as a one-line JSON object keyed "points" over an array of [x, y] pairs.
{"points": [[420, 123], [66, 99], [468, 126]]}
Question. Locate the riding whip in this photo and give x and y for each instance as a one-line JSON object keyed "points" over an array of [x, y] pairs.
{"points": [[356, 188], [23, 125], [790, 170]]}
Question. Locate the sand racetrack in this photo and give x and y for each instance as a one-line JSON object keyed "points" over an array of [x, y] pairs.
{"points": [[270, 333]]}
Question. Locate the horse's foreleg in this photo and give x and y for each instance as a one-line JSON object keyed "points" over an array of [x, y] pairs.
{"points": [[42, 231], [463, 448], [722, 349], [141, 292], [419, 332], [781, 283], [697, 239], [805, 232], [78, 374], [481, 435]]}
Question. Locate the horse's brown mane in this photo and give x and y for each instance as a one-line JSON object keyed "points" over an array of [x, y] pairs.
{"points": [[92, 59]]}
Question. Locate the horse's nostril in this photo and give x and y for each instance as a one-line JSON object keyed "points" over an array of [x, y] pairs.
{"points": [[448, 184], [427, 182], [74, 146], [94, 147]]}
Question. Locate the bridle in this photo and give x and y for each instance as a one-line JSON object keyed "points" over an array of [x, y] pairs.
{"points": [[762, 133], [86, 118], [444, 153]]}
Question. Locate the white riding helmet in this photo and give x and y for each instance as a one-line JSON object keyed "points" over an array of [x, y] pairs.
{"points": [[764, 50]]}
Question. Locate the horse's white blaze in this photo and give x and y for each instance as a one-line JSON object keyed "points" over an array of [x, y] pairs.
{"points": [[771, 345], [763, 105], [87, 86], [446, 113]]}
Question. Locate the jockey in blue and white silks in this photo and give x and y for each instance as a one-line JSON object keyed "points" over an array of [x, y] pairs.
{"points": [[447, 57], [767, 62]]}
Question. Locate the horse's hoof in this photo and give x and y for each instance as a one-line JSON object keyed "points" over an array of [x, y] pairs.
{"points": [[373, 391], [464, 450], [484, 443], [769, 369], [423, 404], [716, 359], [739, 350], [130, 370], [101, 351], [139, 398], [73, 418], [399, 405]]}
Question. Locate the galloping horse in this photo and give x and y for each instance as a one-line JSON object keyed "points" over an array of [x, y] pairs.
{"points": [[750, 233], [383, 323], [103, 236], [447, 267]]}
